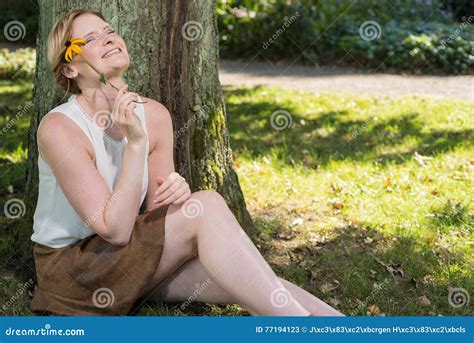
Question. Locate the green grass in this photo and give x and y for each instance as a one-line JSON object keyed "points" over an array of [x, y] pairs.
{"points": [[356, 192]]}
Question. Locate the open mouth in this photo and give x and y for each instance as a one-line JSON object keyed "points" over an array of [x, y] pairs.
{"points": [[111, 53]]}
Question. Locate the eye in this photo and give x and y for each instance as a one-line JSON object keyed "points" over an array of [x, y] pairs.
{"points": [[111, 31]]}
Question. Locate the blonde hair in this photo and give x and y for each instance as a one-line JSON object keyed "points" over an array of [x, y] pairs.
{"points": [[55, 47]]}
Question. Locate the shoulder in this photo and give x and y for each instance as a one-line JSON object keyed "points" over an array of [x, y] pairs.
{"points": [[158, 120], [57, 129]]}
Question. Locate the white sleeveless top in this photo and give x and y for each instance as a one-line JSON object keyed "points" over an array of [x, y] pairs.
{"points": [[55, 222]]}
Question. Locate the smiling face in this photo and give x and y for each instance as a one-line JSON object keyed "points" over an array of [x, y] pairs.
{"points": [[104, 49]]}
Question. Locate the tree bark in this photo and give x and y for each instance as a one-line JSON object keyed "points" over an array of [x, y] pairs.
{"points": [[173, 46]]}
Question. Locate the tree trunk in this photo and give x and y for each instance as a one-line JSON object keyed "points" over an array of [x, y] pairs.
{"points": [[173, 46]]}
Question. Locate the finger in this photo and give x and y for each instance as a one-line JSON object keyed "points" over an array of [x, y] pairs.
{"points": [[123, 102], [122, 90], [169, 200], [127, 99], [176, 194], [168, 182], [128, 105], [176, 187], [182, 198]]}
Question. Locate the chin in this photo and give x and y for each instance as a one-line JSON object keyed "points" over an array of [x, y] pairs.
{"points": [[116, 67]]}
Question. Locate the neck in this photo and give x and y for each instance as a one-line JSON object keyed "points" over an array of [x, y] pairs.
{"points": [[99, 96]]}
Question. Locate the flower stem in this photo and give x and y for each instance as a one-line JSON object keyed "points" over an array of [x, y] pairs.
{"points": [[104, 80]]}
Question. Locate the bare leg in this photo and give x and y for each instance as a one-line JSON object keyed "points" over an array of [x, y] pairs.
{"points": [[234, 263], [192, 283]]}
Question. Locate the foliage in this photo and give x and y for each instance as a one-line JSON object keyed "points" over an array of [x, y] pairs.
{"points": [[19, 64], [409, 46], [326, 32], [24, 11]]}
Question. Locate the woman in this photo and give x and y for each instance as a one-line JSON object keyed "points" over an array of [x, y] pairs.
{"points": [[93, 255]]}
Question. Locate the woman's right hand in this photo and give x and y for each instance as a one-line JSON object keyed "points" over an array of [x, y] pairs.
{"points": [[124, 116]]}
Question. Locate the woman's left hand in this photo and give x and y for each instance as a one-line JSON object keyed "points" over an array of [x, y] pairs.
{"points": [[173, 190]]}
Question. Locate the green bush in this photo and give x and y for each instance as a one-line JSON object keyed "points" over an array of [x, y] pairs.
{"points": [[273, 28], [24, 11], [19, 64], [410, 46], [324, 32]]}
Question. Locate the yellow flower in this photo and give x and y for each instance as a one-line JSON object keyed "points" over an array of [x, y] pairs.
{"points": [[73, 45]]}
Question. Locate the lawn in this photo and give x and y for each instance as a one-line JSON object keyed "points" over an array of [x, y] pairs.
{"points": [[366, 202]]}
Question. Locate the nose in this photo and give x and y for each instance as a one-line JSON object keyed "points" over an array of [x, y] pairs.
{"points": [[108, 39]]}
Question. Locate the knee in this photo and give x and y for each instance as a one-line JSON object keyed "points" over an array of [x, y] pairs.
{"points": [[209, 199], [200, 204]]}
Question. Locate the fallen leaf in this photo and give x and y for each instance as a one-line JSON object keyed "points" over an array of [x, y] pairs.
{"points": [[337, 204], [374, 310], [368, 240], [421, 160], [423, 300], [286, 236], [334, 301], [297, 221], [327, 287]]}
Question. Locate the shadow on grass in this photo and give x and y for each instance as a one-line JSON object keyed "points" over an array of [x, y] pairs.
{"points": [[332, 136], [361, 268]]}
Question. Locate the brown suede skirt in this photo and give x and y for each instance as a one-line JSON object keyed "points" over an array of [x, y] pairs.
{"points": [[94, 277]]}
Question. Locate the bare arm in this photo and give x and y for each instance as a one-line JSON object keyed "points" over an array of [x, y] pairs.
{"points": [[160, 160]]}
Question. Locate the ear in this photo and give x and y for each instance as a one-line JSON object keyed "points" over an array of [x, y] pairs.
{"points": [[69, 71]]}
